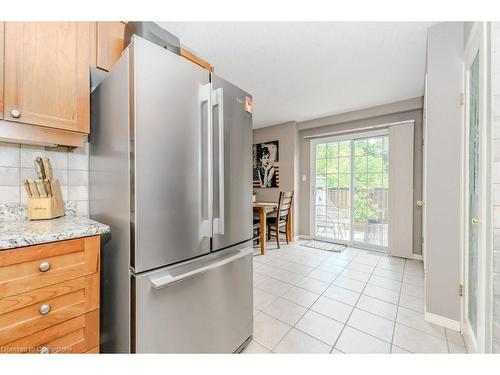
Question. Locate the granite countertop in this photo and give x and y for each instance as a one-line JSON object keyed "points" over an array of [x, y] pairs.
{"points": [[19, 233]]}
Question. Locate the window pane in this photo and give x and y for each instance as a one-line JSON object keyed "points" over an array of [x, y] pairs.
{"points": [[321, 151], [320, 166], [344, 165], [374, 180], [360, 165], [345, 148], [375, 146], [332, 165], [332, 150], [332, 181], [360, 146], [385, 161], [344, 180], [375, 164], [360, 181]]}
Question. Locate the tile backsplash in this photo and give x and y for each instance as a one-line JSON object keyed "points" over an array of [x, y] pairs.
{"points": [[71, 168]]}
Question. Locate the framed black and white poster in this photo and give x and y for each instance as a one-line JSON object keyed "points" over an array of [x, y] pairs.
{"points": [[266, 172]]}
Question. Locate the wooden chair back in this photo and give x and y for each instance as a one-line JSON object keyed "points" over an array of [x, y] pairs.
{"points": [[284, 205]]}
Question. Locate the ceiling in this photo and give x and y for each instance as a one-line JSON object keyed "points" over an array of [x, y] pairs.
{"points": [[298, 71]]}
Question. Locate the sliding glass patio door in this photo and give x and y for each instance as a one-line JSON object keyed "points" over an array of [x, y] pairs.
{"points": [[350, 189], [332, 194]]}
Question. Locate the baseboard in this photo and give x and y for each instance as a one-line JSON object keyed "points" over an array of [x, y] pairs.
{"points": [[304, 237], [442, 321], [417, 257]]}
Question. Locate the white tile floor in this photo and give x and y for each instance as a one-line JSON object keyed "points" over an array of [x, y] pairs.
{"points": [[314, 301]]}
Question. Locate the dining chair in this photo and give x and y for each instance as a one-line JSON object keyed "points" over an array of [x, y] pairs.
{"points": [[281, 218], [256, 230]]}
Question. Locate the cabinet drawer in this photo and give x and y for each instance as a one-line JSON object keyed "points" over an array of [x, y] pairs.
{"points": [[27, 313], [77, 335], [32, 267], [94, 350]]}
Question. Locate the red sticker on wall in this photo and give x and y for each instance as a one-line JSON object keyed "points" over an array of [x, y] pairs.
{"points": [[248, 104]]}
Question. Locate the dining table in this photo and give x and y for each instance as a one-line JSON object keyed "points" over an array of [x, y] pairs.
{"points": [[263, 209]]}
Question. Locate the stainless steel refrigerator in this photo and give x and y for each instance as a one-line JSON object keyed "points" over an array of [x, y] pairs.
{"points": [[170, 172]]}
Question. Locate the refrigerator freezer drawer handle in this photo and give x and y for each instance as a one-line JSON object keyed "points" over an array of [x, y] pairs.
{"points": [[164, 281]]}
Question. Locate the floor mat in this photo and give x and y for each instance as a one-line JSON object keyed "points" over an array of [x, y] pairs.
{"points": [[328, 246]]}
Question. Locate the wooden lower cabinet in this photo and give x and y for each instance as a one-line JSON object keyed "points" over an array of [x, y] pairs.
{"points": [[57, 311], [94, 350], [77, 335], [1, 66]]}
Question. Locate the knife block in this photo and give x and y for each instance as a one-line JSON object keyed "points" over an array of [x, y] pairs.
{"points": [[47, 208]]}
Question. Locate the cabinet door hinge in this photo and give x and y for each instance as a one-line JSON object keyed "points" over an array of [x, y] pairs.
{"points": [[462, 99], [461, 290]]}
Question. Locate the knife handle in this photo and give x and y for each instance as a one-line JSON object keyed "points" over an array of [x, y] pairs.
{"points": [[40, 172], [41, 188], [27, 188], [47, 168], [48, 187], [33, 189]]}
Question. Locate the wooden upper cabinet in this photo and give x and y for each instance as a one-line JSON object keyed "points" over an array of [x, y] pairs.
{"points": [[46, 74], [1, 68], [195, 59], [110, 37]]}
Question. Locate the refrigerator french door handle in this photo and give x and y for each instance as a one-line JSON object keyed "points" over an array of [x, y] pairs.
{"points": [[218, 100], [206, 223], [168, 279]]}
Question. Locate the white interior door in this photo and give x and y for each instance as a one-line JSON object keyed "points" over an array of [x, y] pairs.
{"points": [[474, 260]]}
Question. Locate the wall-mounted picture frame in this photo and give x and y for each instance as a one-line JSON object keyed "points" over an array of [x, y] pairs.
{"points": [[266, 172]]}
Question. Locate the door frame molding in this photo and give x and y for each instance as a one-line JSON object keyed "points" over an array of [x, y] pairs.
{"points": [[312, 186], [476, 44]]}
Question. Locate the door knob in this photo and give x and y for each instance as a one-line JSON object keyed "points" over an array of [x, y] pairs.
{"points": [[475, 221], [15, 113], [420, 203]]}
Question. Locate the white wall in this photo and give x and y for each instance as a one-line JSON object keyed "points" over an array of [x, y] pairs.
{"points": [[70, 168], [444, 141]]}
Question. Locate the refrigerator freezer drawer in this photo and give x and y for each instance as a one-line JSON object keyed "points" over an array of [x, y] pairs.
{"points": [[201, 306]]}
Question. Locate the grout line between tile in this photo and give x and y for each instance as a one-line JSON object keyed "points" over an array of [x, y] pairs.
{"points": [[310, 308], [349, 317], [337, 275], [397, 312]]}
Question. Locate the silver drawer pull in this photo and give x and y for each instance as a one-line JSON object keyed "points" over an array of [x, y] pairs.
{"points": [[44, 350], [15, 113], [44, 309], [43, 267]]}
